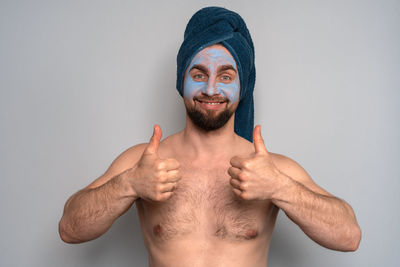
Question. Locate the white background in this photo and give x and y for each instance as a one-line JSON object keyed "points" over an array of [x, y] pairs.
{"points": [[81, 81]]}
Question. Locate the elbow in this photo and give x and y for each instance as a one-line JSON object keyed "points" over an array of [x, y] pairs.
{"points": [[356, 239], [66, 235], [67, 239], [353, 239], [353, 232]]}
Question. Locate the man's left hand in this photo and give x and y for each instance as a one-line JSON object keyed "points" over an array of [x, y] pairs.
{"points": [[255, 177]]}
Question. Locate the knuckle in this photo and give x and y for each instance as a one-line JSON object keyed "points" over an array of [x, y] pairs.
{"points": [[172, 163], [158, 197], [243, 186], [159, 188], [244, 196], [159, 165], [246, 163], [243, 176], [161, 178]]}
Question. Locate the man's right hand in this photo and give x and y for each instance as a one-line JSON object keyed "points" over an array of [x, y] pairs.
{"points": [[155, 179]]}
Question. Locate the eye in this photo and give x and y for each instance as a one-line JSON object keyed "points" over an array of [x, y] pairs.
{"points": [[198, 76], [226, 78]]}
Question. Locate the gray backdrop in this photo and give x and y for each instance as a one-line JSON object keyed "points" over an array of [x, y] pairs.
{"points": [[81, 81]]}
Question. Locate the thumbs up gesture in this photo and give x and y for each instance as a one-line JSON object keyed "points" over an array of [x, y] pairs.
{"points": [[155, 178], [255, 177]]}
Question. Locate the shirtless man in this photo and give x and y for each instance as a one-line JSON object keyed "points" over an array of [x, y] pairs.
{"points": [[207, 196]]}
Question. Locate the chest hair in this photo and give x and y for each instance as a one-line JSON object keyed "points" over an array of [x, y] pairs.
{"points": [[204, 202]]}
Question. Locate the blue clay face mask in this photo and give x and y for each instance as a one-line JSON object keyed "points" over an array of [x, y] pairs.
{"points": [[213, 71]]}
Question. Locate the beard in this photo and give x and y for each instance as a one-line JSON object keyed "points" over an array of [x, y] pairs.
{"points": [[208, 120]]}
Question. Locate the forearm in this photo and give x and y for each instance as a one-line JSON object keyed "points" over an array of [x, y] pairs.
{"points": [[90, 212], [327, 220]]}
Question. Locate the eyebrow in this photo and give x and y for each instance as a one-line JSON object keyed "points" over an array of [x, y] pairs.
{"points": [[200, 68], [226, 67], [220, 69]]}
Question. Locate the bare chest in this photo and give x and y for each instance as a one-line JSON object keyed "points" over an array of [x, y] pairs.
{"points": [[204, 204]]}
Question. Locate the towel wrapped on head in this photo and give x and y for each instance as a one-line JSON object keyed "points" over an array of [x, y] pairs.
{"points": [[213, 25]]}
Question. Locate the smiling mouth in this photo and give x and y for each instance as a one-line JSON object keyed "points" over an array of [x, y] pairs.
{"points": [[210, 103]]}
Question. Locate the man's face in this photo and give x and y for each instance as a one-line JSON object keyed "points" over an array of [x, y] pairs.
{"points": [[211, 87]]}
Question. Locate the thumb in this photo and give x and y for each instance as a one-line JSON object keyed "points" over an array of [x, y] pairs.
{"points": [[258, 140], [152, 147]]}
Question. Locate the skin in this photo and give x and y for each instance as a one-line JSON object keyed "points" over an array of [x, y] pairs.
{"points": [[208, 198], [205, 75]]}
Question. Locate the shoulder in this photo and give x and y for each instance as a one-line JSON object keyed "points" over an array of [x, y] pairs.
{"points": [[130, 156], [126, 160], [289, 167], [295, 171], [282, 162]]}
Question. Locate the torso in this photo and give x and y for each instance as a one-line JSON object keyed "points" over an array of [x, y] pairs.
{"points": [[204, 223]]}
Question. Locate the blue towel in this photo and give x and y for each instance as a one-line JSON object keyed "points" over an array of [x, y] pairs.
{"points": [[212, 25]]}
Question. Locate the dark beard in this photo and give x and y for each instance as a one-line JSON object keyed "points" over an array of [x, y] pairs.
{"points": [[208, 122]]}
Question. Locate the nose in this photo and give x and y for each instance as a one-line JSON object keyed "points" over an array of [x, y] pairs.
{"points": [[211, 88]]}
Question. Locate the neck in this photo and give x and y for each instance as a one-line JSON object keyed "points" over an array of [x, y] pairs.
{"points": [[200, 143]]}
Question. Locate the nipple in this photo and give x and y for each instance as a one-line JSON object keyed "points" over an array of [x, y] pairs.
{"points": [[251, 234], [157, 230]]}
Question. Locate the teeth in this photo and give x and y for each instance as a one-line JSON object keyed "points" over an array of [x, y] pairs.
{"points": [[210, 103]]}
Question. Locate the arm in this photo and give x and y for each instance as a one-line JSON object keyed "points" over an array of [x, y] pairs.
{"points": [[326, 219], [90, 212]]}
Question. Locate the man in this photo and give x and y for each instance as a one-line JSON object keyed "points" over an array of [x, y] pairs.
{"points": [[207, 196]]}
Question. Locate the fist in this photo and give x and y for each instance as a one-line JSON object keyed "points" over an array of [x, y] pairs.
{"points": [[155, 179], [255, 177]]}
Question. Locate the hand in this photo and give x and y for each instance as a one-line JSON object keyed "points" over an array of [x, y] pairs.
{"points": [[155, 179], [255, 177]]}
